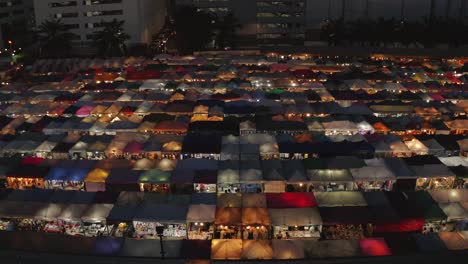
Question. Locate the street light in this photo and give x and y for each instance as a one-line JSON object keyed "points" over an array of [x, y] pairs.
{"points": [[10, 43], [160, 232]]}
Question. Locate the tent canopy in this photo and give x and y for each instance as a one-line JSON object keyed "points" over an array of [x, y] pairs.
{"points": [[255, 216], [336, 199], [228, 216], [290, 200], [295, 217], [252, 200], [226, 249], [201, 213], [155, 177]]}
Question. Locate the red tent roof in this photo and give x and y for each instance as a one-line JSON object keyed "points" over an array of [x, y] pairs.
{"points": [[143, 75], [31, 161], [290, 200], [406, 225], [374, 247], [133, 148]]}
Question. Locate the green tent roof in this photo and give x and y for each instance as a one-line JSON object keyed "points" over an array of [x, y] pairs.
{"points": [[429, 207], [155, 177]]}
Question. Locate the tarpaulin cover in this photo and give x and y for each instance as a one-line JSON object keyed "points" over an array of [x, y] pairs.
{"points": [[107, 246], [430, 208], [400, 242], [254, 200], [257, 249], [226, 249], [345, 215], [332, 248], [380, 208], [229, 200], [151, 248], [290, 200], [122, 213], [255, 216], [163, 213], [429, 243], [288, 249], [196, 249], [203, 198], [453, 240], [96, 213], [201, 213], [374, 247], [228, 216], [295, 217], [336, 199]]}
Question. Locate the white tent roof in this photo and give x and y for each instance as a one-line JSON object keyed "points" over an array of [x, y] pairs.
{"points": [[372, 174], [454, 211], [295, 217], [201, 213], [337, 199], [454, 161], [450, 196]]}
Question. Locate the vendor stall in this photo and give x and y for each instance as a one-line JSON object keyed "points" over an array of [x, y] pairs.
{"points": [[96, 180], [330, 180], [373, 178], [27, 177], [60, 178], [200, 220], [228, 181], [228, 221], [433, 177], [295, 223], [255, 223], [155, 181], [120, 180], [150, 216], [94, 220], [70, 219], [204, 181]]}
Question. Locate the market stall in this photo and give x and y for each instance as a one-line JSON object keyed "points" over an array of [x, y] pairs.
{"points": [[60, 178], [200, 221], [120, 180], [94, 220], [155, 181], [371, 178], [27, 177], [69, 220], [255, 223], [96, 180], [295, 223], [257, 249], [329, 180], [172, 217], [228, 221], [205, 181], [251, 181], [228, 181], [433, 177], [228, 249]]}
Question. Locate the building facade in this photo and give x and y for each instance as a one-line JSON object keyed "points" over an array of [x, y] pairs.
{"points": [[264, 22], [14, 14], [143, 18]]}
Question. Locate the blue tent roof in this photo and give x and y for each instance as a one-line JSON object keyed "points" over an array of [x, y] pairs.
{"points": [[56, 174], [76, 174]]}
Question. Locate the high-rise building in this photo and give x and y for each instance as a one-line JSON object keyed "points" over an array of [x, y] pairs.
{"points": [[143, 18], [15, 16], [264, 22]]}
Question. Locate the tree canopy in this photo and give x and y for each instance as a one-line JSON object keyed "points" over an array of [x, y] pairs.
{"points": [[54, 38], [110, 41], [194, 29]]}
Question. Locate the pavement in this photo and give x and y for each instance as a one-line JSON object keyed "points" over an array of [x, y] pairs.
{"points": [[10, 257]]}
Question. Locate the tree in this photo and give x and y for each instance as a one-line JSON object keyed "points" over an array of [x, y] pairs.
{"points": [[111, 39], [54, 38], [226, 27], [194, 29]]}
